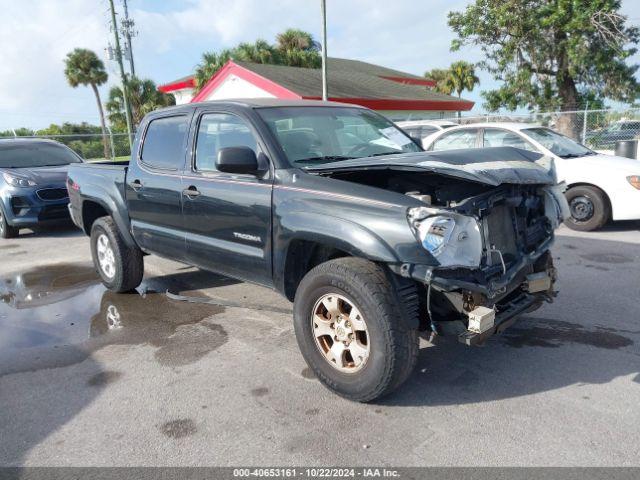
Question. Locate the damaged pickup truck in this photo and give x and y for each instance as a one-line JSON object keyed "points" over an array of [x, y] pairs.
{"points": [[372, 239]]}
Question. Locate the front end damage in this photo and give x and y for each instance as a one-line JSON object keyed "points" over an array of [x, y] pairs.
{"points": [[496, 266], [488, 226]]}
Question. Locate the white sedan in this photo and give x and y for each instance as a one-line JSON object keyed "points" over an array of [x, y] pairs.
{"points": [[424, 129], [600, 187]]}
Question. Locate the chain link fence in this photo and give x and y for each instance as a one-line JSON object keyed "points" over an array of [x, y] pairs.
{"points": [[91, 146], [597, 129]]}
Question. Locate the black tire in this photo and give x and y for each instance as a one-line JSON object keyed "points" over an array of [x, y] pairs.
{"points": [[129, 263], [6, 230], [589, 208], [393, 344]]}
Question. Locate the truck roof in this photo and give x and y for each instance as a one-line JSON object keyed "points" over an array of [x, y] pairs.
{"points": [[260, 103]]}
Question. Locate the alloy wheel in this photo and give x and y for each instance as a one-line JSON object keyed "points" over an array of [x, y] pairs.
{"points": [[106, 258], [340, 333]]}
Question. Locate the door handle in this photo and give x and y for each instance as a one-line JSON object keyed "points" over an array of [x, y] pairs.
{"points": [[191, 192], [136, 185]]}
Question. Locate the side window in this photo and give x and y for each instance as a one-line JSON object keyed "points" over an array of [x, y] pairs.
{"points": [[457, 139], [428, 130], [494, 137], [217, 131], [163, 145]]}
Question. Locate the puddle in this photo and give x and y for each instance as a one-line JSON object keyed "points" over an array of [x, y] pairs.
{"points": [[65, 308], [541, 332]]}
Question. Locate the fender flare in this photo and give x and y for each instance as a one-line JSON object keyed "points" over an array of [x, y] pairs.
{"points": [[102, 198], [334, 232]]}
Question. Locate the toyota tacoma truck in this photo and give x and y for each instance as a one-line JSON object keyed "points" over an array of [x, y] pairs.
{"points": [[373, 240]]}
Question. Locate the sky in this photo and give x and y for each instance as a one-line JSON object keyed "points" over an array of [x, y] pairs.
{"points": [[36, 35]]}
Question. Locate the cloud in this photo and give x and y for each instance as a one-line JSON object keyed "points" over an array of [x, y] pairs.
{"points": [[36, 35]]}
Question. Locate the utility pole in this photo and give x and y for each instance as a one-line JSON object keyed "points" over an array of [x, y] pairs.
{"points": [[325, 93], [128, 31], [123, 76]]}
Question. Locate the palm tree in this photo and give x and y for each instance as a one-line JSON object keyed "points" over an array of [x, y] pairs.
{"points": [[297, 48], [258, 52], [294, 39], [294, 48], [83, 67], [440, 75], [144, 97], [211, 63], [460, 76]]}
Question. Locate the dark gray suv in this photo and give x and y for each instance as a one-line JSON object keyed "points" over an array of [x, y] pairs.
{"points": [[33, 191]]}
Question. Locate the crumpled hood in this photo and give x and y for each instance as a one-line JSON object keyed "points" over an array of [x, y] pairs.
{"points": [[491, 166], [41, 175]]}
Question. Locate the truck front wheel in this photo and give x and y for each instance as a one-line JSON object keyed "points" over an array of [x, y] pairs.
{"points": [[351, 331], [120, 267]]}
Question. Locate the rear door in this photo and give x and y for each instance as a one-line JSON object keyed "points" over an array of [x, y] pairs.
{"points": [[227, 217], [154, 186]]}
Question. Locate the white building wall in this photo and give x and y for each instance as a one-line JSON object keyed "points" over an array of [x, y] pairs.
{"points": [[236, 87], [183, 95]]}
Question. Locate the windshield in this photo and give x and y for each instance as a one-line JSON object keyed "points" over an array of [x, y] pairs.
{"points": [[317, 135], [27, 155], [558, 144]]}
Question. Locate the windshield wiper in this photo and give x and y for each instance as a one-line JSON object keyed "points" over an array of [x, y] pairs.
{"points": [[325, 159], [571, 155]]}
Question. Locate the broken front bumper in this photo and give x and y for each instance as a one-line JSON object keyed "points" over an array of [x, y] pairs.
{"points": [[504, 318]]}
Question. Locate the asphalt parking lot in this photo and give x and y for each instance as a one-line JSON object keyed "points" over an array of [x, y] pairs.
{"points": [[92, 378]]}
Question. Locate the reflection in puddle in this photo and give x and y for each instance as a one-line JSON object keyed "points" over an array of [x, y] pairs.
{"points": [[61, 305]]}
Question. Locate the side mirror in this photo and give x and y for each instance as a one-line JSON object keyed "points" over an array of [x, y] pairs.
{"points": [[237, 160]]}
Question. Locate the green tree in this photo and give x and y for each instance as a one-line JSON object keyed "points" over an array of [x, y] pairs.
{"points": [[83, 67], [211, 63], [17, 132], [440, 75], [545, 51], [297, 48], [293, 47], [144, 97]]}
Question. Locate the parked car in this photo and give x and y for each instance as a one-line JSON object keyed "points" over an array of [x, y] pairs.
{"points": [[33, 186], [600, 187], [371, 238], [423, 129], [608, 136]]}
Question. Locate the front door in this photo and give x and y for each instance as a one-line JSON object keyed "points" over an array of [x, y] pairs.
{"points": [[227, 217], [154, 187]]}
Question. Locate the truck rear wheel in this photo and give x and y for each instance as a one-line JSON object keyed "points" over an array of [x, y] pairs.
{"points": [[350, 331], [120, 267]]}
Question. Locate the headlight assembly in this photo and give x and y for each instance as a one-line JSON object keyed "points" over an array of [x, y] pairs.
{"points": [[453, 239], [15, 181]]}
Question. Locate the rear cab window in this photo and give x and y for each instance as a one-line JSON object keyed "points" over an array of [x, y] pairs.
{"points": [[164, 141]]}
